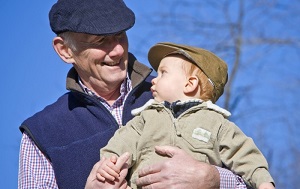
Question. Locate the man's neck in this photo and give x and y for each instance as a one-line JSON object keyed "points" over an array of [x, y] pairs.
{"points": [[109, 93]]}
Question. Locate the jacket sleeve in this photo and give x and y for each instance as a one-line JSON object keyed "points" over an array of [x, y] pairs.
{"points": [[240, 154], [124, 140]]}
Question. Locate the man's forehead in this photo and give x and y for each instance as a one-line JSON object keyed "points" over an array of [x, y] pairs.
{"points": [[91, 38], [87, 37]]}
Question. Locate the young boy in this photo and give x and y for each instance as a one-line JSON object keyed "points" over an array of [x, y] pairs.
{"points": [[182, 114]]}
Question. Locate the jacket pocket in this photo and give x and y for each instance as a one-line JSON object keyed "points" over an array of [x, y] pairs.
{"points": [[199, 142]]}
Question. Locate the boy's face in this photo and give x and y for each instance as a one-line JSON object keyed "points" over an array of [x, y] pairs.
{"points": [[170, 81]]}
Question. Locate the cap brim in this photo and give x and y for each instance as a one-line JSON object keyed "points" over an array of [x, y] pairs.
{"points": [[158, 52]]}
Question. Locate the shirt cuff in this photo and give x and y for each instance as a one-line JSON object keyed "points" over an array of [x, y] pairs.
{"points": [[230, 180]]}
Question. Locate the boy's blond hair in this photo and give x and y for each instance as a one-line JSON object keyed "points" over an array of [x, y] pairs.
{"points": [[206, 87]]}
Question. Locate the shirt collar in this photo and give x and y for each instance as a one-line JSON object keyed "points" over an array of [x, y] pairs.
{"points": [[124, 89]]}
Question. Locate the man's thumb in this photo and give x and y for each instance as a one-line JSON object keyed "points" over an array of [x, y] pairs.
{"points": [[169, 151]]}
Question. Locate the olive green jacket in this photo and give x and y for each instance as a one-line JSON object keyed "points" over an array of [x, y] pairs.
{"points": [[202, 131]]}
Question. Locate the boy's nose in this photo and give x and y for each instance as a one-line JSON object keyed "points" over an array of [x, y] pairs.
{"points": [[153, 81]]}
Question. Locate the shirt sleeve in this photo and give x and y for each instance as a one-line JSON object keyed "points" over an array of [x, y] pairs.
{"points": [[230, 180], [35, 170]]}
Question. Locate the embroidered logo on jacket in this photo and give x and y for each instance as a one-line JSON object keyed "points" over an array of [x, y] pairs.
{"points": [[201, 134]]}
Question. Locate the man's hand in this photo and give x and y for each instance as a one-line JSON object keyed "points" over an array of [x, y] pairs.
{"points": [[179, 171], [93, 183]]}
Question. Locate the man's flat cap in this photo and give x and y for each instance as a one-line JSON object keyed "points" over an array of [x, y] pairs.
{"points": [[97, 17]]}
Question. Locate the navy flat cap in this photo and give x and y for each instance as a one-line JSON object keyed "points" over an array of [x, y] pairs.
{"points": [[97, 17]]}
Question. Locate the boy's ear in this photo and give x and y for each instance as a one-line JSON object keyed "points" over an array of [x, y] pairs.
{"points": [[63, 51], [191, 85]]}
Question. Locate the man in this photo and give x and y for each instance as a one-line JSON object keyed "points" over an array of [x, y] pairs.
{"points": [[61, 143]]}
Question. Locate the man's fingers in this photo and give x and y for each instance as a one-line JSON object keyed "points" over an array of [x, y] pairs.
{"points": [[96, 167], [155, 168], [147, 175], [93, 174], [169, 151]]}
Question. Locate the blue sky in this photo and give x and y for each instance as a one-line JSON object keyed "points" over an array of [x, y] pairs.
{"points": [[27, 58], [34, 76]]}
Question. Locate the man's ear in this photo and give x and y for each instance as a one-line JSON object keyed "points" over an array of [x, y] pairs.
{"points": [[63, 51], [191, 86]]}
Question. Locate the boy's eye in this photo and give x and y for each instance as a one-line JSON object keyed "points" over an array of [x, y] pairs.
{"points": [[160, 72], [163, 72]]}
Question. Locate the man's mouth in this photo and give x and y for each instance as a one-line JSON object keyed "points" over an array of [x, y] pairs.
{"points": [[110, 63]]}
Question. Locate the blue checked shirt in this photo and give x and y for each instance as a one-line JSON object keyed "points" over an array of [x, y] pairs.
{"points": [[116, 109]]}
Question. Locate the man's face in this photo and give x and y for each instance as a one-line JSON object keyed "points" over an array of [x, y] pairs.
{"points": [[101, 61]]}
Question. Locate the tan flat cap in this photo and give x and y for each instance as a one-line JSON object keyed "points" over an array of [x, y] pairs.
{"points": [[212, 66]]}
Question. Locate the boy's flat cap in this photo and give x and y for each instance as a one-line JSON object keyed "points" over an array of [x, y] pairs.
{"points": [[212, 66], [97, 17]]}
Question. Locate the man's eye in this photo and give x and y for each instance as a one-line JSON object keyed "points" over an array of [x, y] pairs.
{"points": [[100, 41], [120, 35]]}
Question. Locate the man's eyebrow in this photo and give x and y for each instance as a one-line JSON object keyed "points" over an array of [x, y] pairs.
{"points": [[92, 40]]}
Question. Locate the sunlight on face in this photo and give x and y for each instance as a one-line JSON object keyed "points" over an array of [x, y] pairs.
{"points": [[101, 60], [170, 81]]}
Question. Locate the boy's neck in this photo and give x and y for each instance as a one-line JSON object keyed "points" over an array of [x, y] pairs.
{"points": [[178, 107]]}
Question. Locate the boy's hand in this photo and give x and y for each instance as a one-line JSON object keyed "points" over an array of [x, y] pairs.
{"points": [[110, 169], [120, 183]]}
